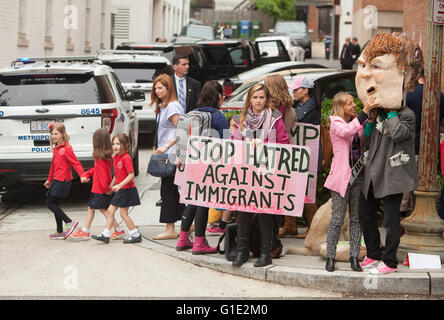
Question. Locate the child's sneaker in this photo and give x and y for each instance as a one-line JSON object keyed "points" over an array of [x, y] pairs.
{"points": [[100, 237], [382, 268], [117, 235], [369, 263], [81, 235], [133, 239], [70, 227], [57, 236], [215, 230]]}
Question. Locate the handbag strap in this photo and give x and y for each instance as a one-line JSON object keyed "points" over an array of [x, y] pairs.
{"points": [[218, 244], [156, 137]]}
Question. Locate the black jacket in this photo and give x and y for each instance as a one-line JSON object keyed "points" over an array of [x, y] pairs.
{"points": [[193, 91]]}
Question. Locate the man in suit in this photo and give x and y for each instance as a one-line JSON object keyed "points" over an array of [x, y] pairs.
{"points": [[346, 55], [187, 89]]}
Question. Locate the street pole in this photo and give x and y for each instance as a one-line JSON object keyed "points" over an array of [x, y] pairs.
{"points": [[424, 228]]}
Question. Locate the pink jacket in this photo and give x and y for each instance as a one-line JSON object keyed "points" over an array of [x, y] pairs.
{"points": [[341, 134]]}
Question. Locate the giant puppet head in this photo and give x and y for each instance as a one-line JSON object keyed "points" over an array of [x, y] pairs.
{"points": [[388, 67]]}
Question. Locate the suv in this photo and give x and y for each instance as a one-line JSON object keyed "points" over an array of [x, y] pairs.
{"points": [[136, 71], [298, 32], [83, 94], [206, 63]]}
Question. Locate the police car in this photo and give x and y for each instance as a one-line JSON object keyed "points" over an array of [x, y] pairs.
{"points": [[79, 91], [137, 71]]}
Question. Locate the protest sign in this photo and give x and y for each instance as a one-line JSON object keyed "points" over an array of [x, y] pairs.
{"points": [[238, 175], [306, 134]]}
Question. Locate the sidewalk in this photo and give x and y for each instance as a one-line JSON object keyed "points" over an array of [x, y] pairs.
{"points": [[308, 271]]}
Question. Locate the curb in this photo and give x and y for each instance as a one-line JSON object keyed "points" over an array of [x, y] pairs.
{"points": [[345, 282]]}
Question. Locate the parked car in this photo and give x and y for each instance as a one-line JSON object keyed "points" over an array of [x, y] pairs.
{"points": [[236, 81], [136, 71], [295, 52], [248, 54], [327, 82], [83, 94], [298, 31], [197, 31]]}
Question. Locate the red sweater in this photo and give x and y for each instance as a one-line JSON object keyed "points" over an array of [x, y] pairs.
{"points": [[101, 174], [123, 165], [63, 158]]}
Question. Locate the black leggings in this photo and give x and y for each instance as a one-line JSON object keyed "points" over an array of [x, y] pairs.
{"points": [[199, 215], [53, 203]]}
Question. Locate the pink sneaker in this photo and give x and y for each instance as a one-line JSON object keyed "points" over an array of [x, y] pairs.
{"points": [[369, 263], [382, 268], [215, 230]]}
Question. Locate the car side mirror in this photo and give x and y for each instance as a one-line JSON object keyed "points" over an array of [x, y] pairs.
{"points": [[136, 96]]}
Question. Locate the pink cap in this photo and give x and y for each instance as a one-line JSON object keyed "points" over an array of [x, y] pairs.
{"points": [[301, 81]]}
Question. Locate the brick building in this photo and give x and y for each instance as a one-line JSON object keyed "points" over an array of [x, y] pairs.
{"points": [[53, 27], [415, 17], [376, 16]]}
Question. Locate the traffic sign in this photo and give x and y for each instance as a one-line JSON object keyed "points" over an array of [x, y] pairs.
{"points": [[438, 12]]}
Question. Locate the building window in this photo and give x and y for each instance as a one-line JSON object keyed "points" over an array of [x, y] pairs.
{"points": [[22, 41], [48, 25], [88, 26]]}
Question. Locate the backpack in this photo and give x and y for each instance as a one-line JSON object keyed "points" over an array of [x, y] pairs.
{"points": [[193, 123]]}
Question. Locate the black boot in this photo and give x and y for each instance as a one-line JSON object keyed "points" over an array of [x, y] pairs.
{"points": [[266, 226], [330, 265], [264, 260], [243, 239], [241, 258], [355, 265]]}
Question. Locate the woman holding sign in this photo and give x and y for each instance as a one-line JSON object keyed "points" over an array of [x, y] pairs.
{"points": [[210, 100], [257, 124], [168, 110], [345, 131]]}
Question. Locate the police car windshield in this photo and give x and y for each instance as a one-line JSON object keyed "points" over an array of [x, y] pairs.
{"points": [[62, 89], [137, 72]]}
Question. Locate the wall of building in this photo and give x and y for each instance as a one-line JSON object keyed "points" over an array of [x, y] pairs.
{"points": [[146, 20], [415, 18], [376, 16], [53, 28]]}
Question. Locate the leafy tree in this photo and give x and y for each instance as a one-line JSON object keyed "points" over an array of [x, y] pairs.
{"points": [[277, 9]]}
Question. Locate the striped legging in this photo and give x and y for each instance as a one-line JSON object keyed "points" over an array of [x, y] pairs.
{"points": [[339, 208]]}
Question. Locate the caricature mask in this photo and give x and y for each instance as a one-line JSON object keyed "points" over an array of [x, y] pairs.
{"points": [[387, 68]]}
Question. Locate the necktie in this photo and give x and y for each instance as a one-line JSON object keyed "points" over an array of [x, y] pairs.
{"points": [[181, 94]]}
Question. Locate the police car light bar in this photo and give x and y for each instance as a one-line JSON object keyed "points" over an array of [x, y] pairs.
{"points": [[56, 59]]}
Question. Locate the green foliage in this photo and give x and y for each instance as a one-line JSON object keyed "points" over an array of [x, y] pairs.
{"points": [[277, 9], [231, 113]]}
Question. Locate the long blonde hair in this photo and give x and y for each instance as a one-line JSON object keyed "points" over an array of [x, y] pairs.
{"points": [[60, 127], [279, 95], [247, 104], [339, 101], [167, 82]]}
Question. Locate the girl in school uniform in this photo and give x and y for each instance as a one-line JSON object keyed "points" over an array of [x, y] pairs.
{"points": [[60, 179], [101, 192], [125, 191]]}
